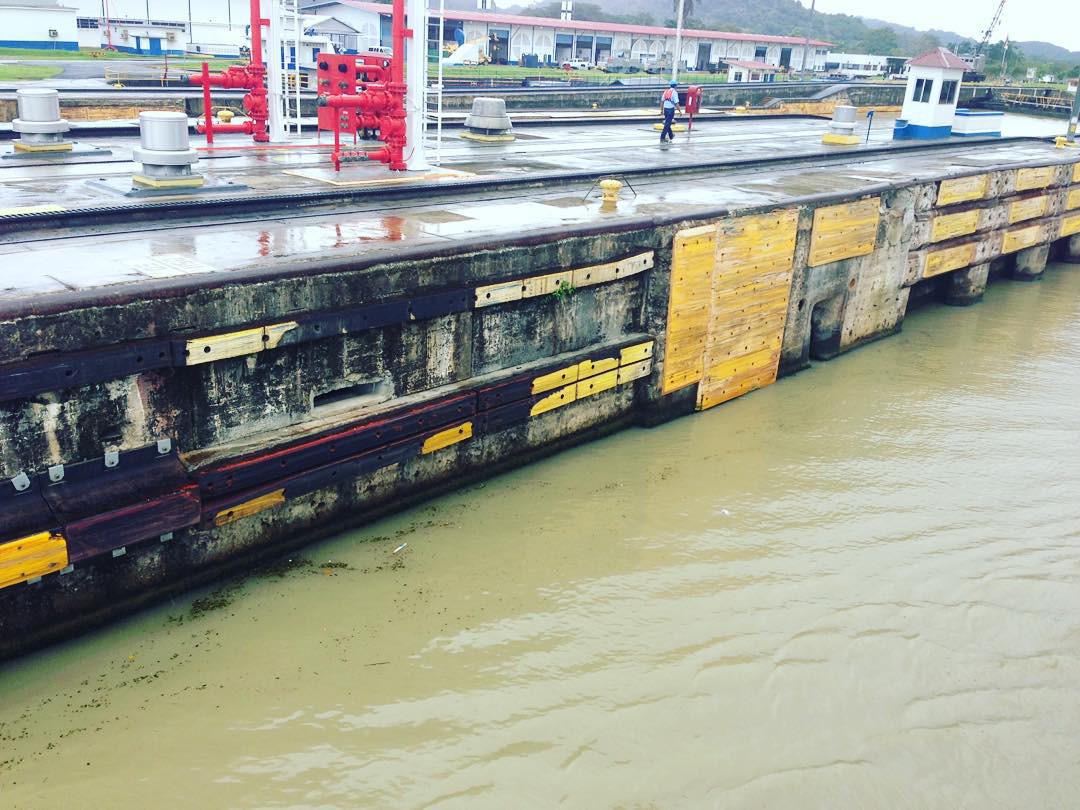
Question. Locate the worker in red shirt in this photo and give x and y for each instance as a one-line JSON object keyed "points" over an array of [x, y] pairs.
{"points": [[669, 105]]}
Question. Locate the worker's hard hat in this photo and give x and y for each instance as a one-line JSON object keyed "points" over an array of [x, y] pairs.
{"points": [[673, 83]]}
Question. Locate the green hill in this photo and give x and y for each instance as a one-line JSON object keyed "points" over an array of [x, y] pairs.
{"points": [[790, 18]]}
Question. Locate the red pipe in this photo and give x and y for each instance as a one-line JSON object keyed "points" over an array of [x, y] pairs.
{"points": [[257, 109], [208, 114], [256, 33], [372, 72], [233, 78], [397, 43], [394, 133], [382, 102], [251, 77], [246, 127]]}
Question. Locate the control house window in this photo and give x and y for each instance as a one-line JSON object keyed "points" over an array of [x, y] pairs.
{"points": [[922, 90], [948, 93]]}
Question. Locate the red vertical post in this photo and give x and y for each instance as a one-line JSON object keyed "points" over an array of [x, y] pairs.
{"points": [[395, 139], [258, 109], [207, 112]]}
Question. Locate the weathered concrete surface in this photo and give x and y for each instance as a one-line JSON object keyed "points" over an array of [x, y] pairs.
{"points": [[966, 287], [496, 295]]}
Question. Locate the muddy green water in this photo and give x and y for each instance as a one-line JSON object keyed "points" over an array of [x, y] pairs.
{"points": [[859, 588]]}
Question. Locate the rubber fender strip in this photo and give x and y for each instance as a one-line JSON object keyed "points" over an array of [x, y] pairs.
{"points": [[65, 370], [280, 462], [82, 489], [25, 511], [119, 528], [59, 372], [62, 371], [253, 501]]}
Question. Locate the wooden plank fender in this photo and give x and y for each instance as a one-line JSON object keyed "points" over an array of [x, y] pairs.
{"points": [[949, 226], [32, 556], [963, 189], [1070, 225], [844, 231], [1040, 177], [946, 259], [1020, 238]]}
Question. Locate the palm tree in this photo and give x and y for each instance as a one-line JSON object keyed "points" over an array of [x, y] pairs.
{"points": [[688, 10]]}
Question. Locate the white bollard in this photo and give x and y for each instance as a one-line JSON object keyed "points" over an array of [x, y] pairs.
{"points": [[842, 127], [165, 152], [39, 124]]}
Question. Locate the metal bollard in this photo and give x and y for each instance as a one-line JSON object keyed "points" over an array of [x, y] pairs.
{"points": [[164, 152], [488, 122], [842, 127], [39, 123]]}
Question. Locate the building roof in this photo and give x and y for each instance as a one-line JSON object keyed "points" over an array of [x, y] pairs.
{"points": [[581, 25], [752, 65], [47, 5], [939, 58]]}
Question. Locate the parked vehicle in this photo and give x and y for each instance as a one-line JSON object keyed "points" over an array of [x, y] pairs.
{"points": [[576, 64], [621, 64]]}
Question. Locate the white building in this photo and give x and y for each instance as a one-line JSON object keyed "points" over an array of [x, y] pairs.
{"points": [[201, 27], [863, 65], [933, 87], [515, 39], [45, 24], [738, 71], [220, 28], [158, 27]]}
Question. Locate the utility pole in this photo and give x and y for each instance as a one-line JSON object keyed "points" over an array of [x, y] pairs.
{"points": [[1074, 117], [806, 40], [416, 54], [678, 42]]}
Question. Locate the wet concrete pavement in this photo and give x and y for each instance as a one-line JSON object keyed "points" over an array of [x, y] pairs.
{"points": [[43, 263]]}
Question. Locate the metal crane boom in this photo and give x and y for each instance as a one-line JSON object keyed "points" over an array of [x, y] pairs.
{"points": [[990, 29]]}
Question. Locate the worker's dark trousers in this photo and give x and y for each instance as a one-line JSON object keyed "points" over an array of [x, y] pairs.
{"points": [[669, 117]]}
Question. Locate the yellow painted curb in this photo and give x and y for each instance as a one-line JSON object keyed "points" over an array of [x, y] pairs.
{"points": [[473, 136], [840, 140], [174, 182], [43, 147]]}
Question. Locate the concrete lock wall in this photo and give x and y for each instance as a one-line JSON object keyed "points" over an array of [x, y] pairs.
{"points": [[785, 99], [155, 437]]}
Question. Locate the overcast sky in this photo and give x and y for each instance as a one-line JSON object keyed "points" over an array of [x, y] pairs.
{"points": [[1056, 21]]}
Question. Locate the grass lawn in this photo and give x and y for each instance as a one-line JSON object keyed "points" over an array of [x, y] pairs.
{"points": [[519, 73], [15, 73], [27, 54], [42, 53]]}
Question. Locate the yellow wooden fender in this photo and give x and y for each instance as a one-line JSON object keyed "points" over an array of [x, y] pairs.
{"points": [[32, 556]]}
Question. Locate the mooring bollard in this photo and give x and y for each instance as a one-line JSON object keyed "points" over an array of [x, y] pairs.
{"points": [[488, 122], [842, 127], [164, 152], [39, 124]]}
